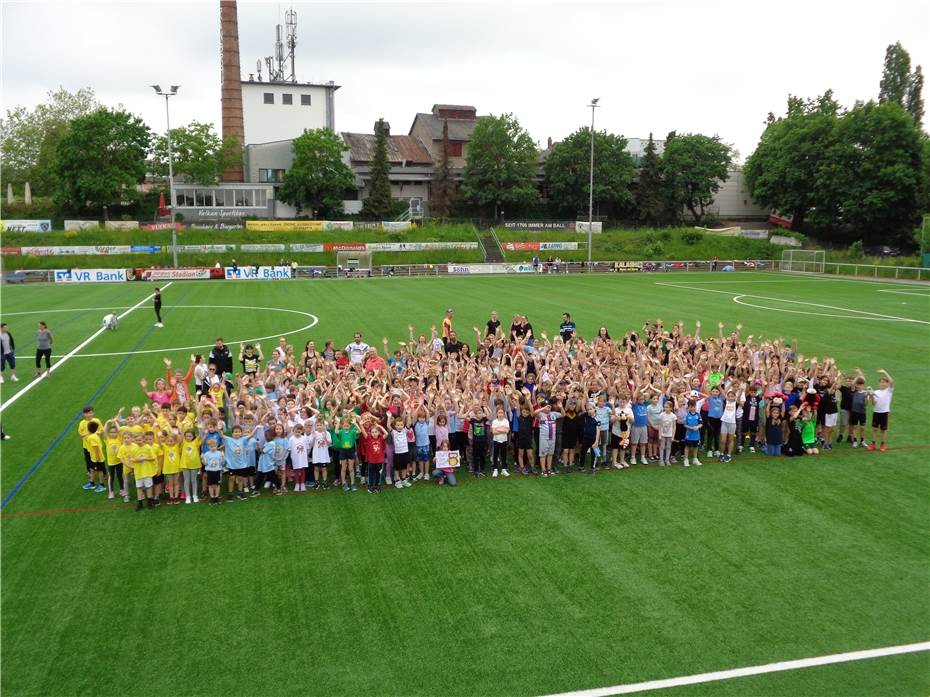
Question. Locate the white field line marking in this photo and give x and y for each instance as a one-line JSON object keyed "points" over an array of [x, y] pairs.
{"points": [[748, 671], [72, 352], [798, 302], [63, 309], [314, 320], [738, 300], [904, 292]]}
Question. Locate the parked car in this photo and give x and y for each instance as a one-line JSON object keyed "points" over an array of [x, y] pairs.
{"points": [[882, 250]]}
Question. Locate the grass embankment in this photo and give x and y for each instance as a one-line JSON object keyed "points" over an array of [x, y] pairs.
{"points": [[100, 237], [645, 243]]}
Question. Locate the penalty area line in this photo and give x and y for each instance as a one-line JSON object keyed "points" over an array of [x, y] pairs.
{"points": [[64, 359], [748, 671]]}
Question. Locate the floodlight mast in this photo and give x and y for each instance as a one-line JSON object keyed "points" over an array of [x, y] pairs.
{"points": [[172, 92]]}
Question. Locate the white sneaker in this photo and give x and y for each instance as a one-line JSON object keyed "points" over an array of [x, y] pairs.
{"points": [[14, 378], [388, 481], [2, 380], [697, 462], [494, 473], [618, 466], [187, 499], [686, 463], [196, 500], [505, 473], [752, 448], [398, 484], [159, 324], [406, 483]]}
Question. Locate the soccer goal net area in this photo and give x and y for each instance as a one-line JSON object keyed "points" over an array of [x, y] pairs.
{"points": [[803, 260], [353, 264]]}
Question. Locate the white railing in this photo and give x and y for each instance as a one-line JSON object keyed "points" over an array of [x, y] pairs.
{"points": [[881, 271]]}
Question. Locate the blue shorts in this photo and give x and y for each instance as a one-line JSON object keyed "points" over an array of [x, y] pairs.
{"points": [[8, 359], [422, 453], [345, 454]]}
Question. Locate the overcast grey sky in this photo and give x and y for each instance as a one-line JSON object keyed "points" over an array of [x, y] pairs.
{"points": [[713, 67]]}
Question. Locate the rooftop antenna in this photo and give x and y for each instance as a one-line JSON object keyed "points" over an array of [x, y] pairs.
{"points": [[279, 52], [258, 67], [290, 20]]}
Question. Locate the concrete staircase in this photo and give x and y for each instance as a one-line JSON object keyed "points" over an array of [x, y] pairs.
{"points": [[492, 249]]}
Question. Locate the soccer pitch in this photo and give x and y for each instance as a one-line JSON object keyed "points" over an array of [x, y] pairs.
{"points": [[524, 586]]}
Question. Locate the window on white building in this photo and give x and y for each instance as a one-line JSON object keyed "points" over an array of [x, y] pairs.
{"points": [[243, 197], [287, 98], [305, 100], [269, 97], [204, 197], [271, 176]]}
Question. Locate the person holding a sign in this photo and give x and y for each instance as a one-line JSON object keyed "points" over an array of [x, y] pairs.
{"points": [[446, 463]]}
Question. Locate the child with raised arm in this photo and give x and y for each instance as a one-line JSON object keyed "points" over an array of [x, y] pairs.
{"points": [[881, 408], [373, 435], [190, 465], [320, 442]]}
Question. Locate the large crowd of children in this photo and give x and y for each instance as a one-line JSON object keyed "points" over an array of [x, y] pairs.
{"points": [[309, 419]]}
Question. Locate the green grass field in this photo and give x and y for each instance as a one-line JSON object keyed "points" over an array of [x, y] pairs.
{"points": [[523, 586]]}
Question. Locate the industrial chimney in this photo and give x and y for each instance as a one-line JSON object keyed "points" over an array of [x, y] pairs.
{"points": [[231, 87]]}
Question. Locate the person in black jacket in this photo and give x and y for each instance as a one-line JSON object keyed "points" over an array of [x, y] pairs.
{"points": [[7, 353], [156, 303], [222, 359]]}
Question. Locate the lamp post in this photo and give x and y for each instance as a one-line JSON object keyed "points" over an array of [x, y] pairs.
{"points": [[171, 200], [593, 106]]}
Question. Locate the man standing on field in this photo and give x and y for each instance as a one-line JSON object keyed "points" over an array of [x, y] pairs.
{"points": [[446, 326], [157, 305]]}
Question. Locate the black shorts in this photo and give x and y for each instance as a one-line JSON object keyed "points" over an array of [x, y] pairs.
{"points": [[401, 460], [346, 454], [246, 472], [880, 421], [214, 476], [98, 466], [524, 442], [158, 479], [614, 442], [856, 418]]}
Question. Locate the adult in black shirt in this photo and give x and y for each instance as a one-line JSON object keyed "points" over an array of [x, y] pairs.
{"points": [[221, 358], [157, 305], [567, 328], [494, 325], [453, 345]]}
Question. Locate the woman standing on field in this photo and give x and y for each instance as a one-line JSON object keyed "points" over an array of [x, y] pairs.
{"points": [[44, 340]]}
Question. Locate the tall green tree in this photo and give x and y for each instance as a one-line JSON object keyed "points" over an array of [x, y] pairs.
{"points": [[319, 177], [198, 154], [501, 166], [872, 179], [651, 199], [100, 160], [899, 85], [694, 166], [443, 185], [378, 204], [782, 171], [568, 170], [915, 96], [28, 138]]}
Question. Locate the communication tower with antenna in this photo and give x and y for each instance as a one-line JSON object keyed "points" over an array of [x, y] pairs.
{"points": [[276, 63]]}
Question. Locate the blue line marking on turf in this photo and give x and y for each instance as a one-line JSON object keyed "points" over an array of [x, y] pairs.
{"points": [[67, 429]]}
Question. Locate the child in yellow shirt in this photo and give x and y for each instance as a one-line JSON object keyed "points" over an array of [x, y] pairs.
{"points": [[145, 467], [93, 447], [190, 465], [113, 442], [171, 466], [83, 432]]}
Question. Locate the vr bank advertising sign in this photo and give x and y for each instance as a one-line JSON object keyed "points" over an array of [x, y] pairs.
{"points": [[90, 275], [260, 273]]}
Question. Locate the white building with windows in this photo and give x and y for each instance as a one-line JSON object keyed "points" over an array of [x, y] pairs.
{"points": [[275, 111]]}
